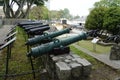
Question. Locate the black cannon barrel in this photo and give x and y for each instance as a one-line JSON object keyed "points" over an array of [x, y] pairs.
{"points": [[37, 33], [33, 41], [46, 48], [31, 26], [41, 29], [26, 26], [36, 26], [29, 23]]}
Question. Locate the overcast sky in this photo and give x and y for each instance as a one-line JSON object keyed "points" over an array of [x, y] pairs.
{"points": [[76, 7]]}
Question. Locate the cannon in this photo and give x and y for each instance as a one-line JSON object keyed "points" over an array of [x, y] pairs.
{"points": [[114, 38], [33, 27], [37, 30], [27, 26], [24, 26], [94, 33], [46, 36], [29, 23], [46, 48]]}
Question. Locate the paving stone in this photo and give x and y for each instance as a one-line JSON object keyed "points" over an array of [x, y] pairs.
{"points": [[75, 55], [76, 69], [65, 67], [51, 56], [63, 71], [73, 60], [55, 59], [87, 66], [67, 61], [68, 57], [58, 58]]}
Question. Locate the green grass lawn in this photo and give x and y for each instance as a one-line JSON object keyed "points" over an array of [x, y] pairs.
{"points": [[19, 62], [87, 44]]}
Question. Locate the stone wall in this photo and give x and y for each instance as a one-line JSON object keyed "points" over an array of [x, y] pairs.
{"points": [[15, 21], [67, 67], [115, 52], [12, 21]]}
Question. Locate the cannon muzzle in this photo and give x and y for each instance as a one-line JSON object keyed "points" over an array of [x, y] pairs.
{"points": [[46, 48]]}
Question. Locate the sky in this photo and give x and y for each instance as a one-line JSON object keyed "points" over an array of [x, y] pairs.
{"points": [[76, 7]]}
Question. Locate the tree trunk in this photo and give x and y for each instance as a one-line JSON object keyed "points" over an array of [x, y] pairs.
{"points": [[20, 12], [6, 10]]}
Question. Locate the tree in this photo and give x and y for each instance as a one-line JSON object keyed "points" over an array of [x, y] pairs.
{"points": [[77, 17], [96, 18], [66, 13], [57, 15], [108, 3], [105, 15], [1, 2], [20, 12], [112, 20], [39, 13]]}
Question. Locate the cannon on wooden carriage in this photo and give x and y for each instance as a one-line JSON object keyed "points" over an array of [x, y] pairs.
{"points": [[46, 37], [114, 38], [61, 44]]}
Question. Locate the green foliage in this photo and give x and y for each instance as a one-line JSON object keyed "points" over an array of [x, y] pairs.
{"points": [[39, 2], [105, 15], [95, 18], [39, 12], [112, 20], [66, 13], [77, 17], [100, 49], [57, 15], [107, 3]]}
